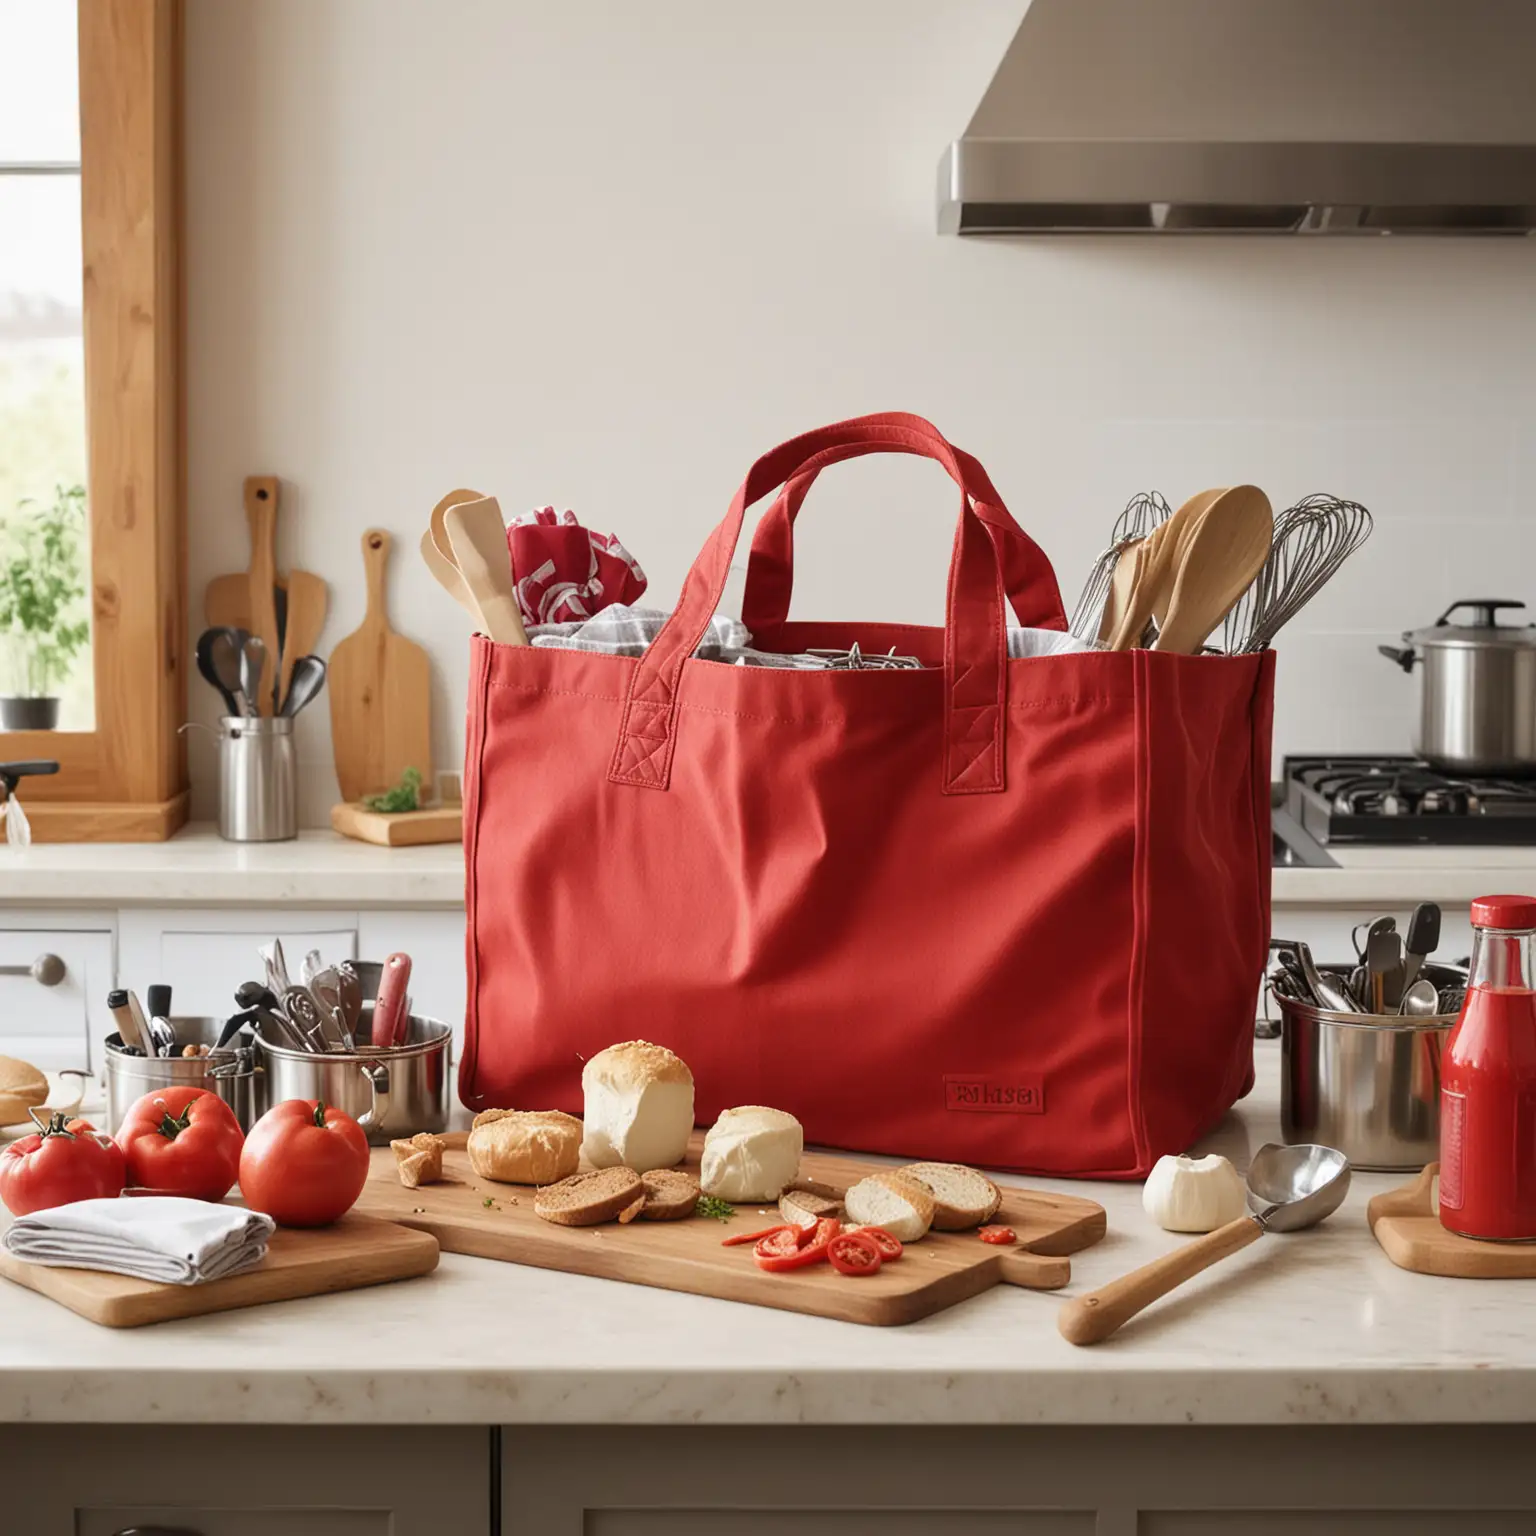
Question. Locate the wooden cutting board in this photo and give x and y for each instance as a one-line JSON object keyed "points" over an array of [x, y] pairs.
{"points": [[357, 1251], [299, 599], [946, 1267], [1404, 1222], [400, 829], [380, 687]]}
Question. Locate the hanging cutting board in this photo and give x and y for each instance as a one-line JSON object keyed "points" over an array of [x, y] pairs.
{"points": [[299, 599], [945, 1268], [1404, 1222], [380, 687], [356, 1251]]}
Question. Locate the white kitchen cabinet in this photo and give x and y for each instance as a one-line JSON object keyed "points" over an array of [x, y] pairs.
{"points": [[435, 942], [54, 982], [249, 1481]]}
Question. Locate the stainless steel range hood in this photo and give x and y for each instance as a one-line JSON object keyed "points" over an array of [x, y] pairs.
{"points": [[1254, 116]]}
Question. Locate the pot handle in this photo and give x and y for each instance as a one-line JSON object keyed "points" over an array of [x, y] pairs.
{"points": [[1404, 656], [378, 1110], [1486, 609]]}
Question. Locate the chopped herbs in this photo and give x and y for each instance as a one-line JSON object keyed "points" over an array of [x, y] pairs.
{"points": [[488, 1203], [709, 1205], [405, 796]]}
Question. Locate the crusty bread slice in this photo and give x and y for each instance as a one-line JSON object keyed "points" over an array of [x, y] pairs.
{"points": [[586, 1199], [962, 1198], [805, 1203], [893, 1201], [670, 1194]]}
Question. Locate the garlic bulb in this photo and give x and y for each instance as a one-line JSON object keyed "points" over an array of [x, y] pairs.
{"points": [[1194, 1194]]}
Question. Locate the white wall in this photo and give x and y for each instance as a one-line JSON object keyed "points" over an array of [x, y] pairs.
{"points": [[602, 253]]}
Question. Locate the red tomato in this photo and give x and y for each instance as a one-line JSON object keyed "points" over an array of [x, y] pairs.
{"points": [[1002, 1236], [304, 1163], [59, 1165], [752, 1237], [796, 1247], [182, 1141], [890, 1248], [854, 1253]]}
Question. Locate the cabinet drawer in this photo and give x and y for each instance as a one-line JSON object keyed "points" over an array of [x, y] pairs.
{"points": [[42, 1019], [183, 1520]]}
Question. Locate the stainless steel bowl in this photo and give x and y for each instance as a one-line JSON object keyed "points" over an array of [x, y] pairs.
{"points": [[1366, 1083], [390, 1091], [129, 1078]]}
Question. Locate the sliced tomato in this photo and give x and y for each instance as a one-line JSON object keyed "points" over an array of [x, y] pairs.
{"points": [[854, 1253], [775, 1256], [752, 1237], [890, 1247], [1002, 1236]]}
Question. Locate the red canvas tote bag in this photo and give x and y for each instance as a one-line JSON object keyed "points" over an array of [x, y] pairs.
{"points": [[1004, 912]]}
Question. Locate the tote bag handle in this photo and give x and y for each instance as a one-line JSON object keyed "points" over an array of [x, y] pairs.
{"points": [[1027, 575], [975, 643]]}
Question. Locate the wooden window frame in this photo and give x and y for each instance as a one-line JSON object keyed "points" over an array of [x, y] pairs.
{"points": [[126, 781]]}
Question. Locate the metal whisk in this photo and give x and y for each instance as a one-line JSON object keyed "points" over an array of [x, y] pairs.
{"points": [[1312, 540], [1143, 512]]}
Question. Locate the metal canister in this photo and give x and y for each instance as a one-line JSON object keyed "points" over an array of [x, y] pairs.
{"points": [[390, 1091], [258, 779], [129, 1077], [1366, 1083]]}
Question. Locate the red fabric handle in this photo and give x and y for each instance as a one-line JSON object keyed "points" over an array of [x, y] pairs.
{"points": [[975, 645], [1028, 578]]}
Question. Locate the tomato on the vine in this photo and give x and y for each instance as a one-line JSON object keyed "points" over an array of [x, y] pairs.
{"points": [[64, 1162]]}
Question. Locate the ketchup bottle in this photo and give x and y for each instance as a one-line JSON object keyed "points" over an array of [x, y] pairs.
{"points": [[1488, 1082]]}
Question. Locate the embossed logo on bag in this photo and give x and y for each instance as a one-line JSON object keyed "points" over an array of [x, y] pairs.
{"points": [[1020, 1094]]}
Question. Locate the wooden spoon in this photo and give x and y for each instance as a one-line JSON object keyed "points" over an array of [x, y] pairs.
{"points": [[1225, 550], [1154, 585], [477, 534], [437, 551], [1122, 585]]}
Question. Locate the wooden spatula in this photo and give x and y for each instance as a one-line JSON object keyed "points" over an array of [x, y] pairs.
{"points": [[1163, 552], [477, 533], [380, 687], [438, 552], [1224, 551]]}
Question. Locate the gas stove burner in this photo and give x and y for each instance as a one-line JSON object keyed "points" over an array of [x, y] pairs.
{"points": [[1402, 800]]}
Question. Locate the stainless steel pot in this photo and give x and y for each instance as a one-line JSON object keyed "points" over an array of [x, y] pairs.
{"points": [[128, 1078], [1477, 704], [1366, 1083], [390, 1092]]}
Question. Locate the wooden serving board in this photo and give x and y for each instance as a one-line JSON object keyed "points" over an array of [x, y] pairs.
{"points": [[946, 1267], [357, 1251], [399, 829], [1405, 1224]]}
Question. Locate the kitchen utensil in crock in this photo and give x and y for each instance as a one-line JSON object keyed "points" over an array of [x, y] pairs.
{"points": [[1289, 1190], [1477, 705], [1326, 988], [253, 662], [1422, 940], [225, 649], [1222, 553], [211, 674], [392, 1005], [1383, 957], [1421, 1000], [477, 533], [307, 679], [380, 687]]}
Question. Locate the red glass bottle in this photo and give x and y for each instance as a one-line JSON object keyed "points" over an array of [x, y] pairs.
{"points": [[1488, 1082]]}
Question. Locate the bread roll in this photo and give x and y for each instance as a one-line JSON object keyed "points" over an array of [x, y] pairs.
{"points": [[891, 1200], [524, 1146], [638, 1107], [751, 1153], [22, 1087]]}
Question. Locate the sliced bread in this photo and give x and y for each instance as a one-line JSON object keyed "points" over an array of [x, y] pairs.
{"points": [[805, 1203], [962, 1198], [586, 1199], [891, 1200], [670, 1194]]}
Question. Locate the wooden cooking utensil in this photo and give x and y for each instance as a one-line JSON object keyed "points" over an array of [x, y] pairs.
{"points": [[477, 534], [1122, 586], [300, 598], [1225, 550], [438, 552], [380, 687], [1149, 597]]}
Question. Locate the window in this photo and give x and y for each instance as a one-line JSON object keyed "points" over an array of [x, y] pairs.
{"points": [[45, 648]]}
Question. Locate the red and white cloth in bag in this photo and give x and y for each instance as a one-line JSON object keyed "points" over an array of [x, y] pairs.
{"points": [[563, 572]]}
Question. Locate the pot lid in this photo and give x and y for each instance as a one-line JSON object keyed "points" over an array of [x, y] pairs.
{"points": [[1482, 629]]}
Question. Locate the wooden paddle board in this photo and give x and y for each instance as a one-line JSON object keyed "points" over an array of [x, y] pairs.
{"points": [[380, 687], [356, 1251], [468, 1214], [1404, 1222]]}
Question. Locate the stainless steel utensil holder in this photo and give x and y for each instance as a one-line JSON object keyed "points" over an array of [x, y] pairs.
{"points": [[258, 779], [128, 1077]]}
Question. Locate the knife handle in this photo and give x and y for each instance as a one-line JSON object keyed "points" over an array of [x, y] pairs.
{"points": [[390, 1020]]}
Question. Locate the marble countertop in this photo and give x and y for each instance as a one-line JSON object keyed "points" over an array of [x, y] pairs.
{"points": [[1314, 1327], [323, 869]]}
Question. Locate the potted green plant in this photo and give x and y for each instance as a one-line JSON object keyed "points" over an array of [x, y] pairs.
{"points": [[43, 623]]}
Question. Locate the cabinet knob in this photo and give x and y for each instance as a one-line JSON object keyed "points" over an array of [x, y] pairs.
{"points": [[46, 970]]}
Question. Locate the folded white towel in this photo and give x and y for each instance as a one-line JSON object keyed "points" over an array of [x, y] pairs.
{"points": [[152, 1237]]}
